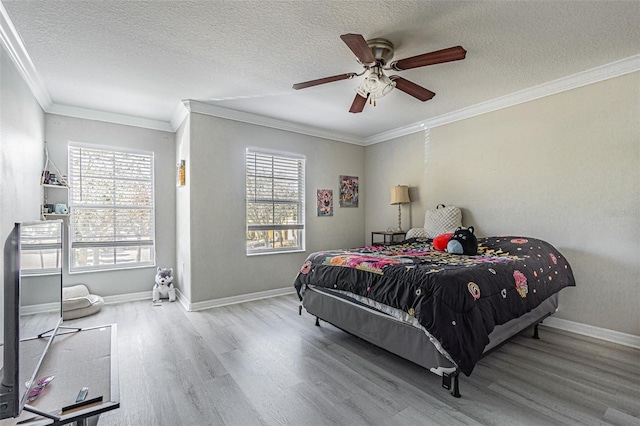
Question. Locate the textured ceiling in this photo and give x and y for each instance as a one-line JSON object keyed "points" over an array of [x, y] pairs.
{"points": [[141, 58]]}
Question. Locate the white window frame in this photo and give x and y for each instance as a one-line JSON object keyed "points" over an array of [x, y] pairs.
{"points": [[279, 159], [77, 203], [41, 251]]}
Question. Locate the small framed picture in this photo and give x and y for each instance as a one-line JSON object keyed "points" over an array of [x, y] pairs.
{"points": [[181, 172], [348, 191], [325, 202]]}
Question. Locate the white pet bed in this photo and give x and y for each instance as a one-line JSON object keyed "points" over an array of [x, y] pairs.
{"points": [[77, 302]]}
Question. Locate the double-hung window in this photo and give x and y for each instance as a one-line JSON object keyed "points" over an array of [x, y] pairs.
{"points": [[275, 202], [41, 248], [111, 200]]}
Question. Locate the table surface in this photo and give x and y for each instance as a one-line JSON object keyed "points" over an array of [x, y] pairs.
{"points": [[77, 359]]}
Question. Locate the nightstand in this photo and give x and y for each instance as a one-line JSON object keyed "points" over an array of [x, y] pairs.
{"points": [[388, 237]]}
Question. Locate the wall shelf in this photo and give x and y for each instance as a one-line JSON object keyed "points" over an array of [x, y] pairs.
{"points": [[55, 181]]}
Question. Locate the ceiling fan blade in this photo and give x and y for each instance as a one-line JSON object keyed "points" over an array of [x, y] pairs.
{"points": [[331, 79], [438, 57], [358, 104], [359, 47], [412, 89]]}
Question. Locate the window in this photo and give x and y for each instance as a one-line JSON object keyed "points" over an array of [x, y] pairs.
{"points": [[41, 248], [275, 203], [112, 208]]}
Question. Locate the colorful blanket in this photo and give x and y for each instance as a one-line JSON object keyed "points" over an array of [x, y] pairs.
{"points": [[458, 299]]}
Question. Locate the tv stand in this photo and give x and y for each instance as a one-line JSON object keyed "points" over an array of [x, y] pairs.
{"points": [[86, 357], [55, 330]]}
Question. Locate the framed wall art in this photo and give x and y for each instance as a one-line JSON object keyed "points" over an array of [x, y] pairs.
{"points": [[181, 172], [348, 191], [325, 202]]}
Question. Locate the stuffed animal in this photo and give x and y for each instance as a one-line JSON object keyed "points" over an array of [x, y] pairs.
{"points": [[440, 242], [463, 241], [164, 285]]}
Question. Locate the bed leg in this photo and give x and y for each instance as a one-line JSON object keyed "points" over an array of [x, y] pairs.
{"points": [[535, 332], [317, 322], [455, 386]]}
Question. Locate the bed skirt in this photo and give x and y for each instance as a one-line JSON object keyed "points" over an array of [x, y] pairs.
{"points": [[403, 339]]}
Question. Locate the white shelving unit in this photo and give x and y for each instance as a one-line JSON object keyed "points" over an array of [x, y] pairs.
{"points": [[60, 182]]}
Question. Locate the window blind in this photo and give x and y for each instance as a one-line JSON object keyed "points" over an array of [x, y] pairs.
{"points": [[275, 202], [111, 198]]}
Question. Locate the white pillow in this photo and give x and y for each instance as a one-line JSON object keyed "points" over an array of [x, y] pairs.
{"points": [[442, 219], [415, 233]]}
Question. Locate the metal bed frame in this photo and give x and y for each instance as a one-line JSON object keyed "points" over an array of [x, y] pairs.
{"points": [[405, 340]]}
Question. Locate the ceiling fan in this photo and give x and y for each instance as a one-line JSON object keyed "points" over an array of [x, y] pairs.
{"points": [[374, 55]]}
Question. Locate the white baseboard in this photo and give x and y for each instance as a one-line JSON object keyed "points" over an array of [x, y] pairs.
{"points": [[613, 336], [39, 309], [188, 306], [182, 300], [128, 297], [596, 332], [214, 303]]}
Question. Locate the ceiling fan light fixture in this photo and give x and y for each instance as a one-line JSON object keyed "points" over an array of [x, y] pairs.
{"points": [[376, 85], [374, 55]]}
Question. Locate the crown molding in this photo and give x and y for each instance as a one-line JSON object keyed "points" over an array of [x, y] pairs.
{"points": [[13, 45], [179, 115], [594, 75], [590, 76], [109, 117], [245, 117]]}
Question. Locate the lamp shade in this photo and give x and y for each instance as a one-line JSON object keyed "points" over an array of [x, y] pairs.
{"points": [[400, 194]]}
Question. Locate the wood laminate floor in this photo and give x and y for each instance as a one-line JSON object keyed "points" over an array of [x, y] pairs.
{"points": [[259, 363]]}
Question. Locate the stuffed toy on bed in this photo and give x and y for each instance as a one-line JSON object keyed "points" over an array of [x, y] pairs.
{"points": [[164, 285], [440, 242], [463, 241]]}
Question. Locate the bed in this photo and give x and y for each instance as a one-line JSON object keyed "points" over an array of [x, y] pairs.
{"points": [[439, 310]]}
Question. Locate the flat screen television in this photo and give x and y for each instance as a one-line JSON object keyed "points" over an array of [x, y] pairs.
{"points": [[32, 267]]}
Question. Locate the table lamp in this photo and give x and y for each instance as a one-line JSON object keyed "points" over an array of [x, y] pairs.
{"points": [[399, 196]]}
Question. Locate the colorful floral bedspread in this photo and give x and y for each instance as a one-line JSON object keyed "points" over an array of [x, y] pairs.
{"points": [[458, 299]]}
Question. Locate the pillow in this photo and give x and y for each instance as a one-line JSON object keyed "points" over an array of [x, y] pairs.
{"points": [[441, 220], [440, 242], [415, 233]]}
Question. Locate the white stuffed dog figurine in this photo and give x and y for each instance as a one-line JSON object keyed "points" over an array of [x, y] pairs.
{"points": [[164, 285]]}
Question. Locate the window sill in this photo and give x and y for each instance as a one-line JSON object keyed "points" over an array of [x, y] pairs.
{"points": [[262, 253], [110, 269]]}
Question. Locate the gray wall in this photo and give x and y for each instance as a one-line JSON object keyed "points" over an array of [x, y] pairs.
{"points": [[564, 168], [219, 265], [182, 272], [396, 162], [21, 149], [60, 130], [21, 154]]}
